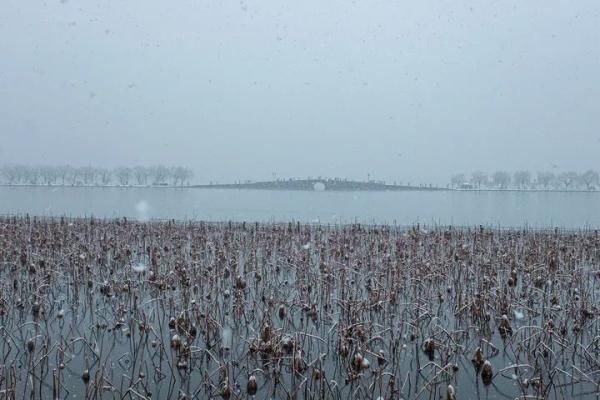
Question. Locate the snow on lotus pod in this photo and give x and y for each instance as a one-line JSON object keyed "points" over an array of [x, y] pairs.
{"points": [[487, 373], [252, 386], [450, 393]]}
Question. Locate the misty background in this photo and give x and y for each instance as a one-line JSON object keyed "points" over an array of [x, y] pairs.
{"points": [[235, 90]]}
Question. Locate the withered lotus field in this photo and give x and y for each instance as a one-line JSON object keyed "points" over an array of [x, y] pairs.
{"points": [[118, 309]]}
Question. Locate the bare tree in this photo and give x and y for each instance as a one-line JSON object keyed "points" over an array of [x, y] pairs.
{"points": [[160, 174], [141, 175], [123, 174], [22, 173], [501, 179], [545, 178], [48, 174], [590, 178], [174, 174], [180, 175], [105, 176], [188, 174], [568, 179], [457, 180], [3, 173], [88, 174], [479, 178], [33, 175], [10, 173], [63, 172], [522, 179], [74, 175]]}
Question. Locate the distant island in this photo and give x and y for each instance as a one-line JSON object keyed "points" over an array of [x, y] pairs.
{"points": [[319, 184], [178, 176]]}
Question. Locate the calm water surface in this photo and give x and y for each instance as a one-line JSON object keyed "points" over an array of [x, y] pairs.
{"points": [[536, 209]]}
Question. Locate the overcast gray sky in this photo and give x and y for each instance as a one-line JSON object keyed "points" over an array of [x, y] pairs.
{"points": [[403, 90]]}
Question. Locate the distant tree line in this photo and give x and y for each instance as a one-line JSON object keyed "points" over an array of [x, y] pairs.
{"points": [[158, 175], [523, 179]]}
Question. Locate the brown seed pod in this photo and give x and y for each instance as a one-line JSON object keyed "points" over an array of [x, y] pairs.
{"points": [[252, 386], [478, 359], [343, 349], [381, 357], [357, 361], [281, 312], [451, 393], [487, 373], [265, 333], [504, 327], [175, 342], [312, 313], [182, 364], [253, 345], [429, 348], [85, 376], [299, 363], [316, 374], [287, 343], [240, 283], [35, 309], [225, 391]]}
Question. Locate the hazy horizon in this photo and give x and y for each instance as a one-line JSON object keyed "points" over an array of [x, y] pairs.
{"points": [[242, 90]]}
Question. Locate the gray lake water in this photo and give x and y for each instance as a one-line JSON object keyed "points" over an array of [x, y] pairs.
{"points": [[505, 209]]}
